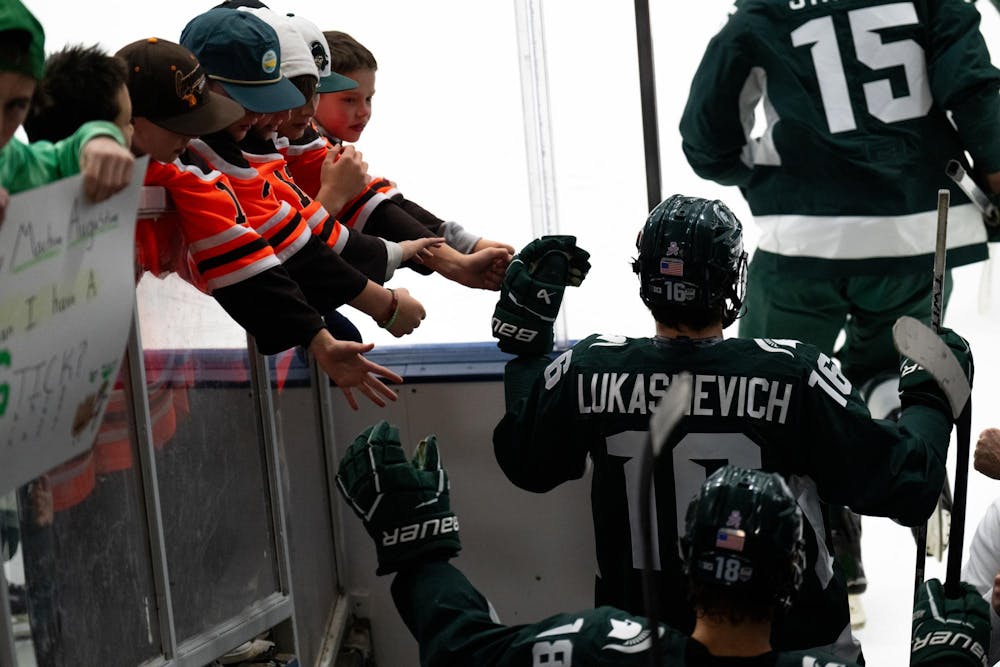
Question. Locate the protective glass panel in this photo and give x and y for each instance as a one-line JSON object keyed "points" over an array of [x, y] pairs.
{"points": [[214, 495], [306, 492], [82, 545]]}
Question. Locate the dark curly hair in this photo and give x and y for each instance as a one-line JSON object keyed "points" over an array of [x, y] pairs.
{"points": [[81, 84]]}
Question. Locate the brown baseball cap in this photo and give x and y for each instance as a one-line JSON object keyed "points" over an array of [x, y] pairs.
{"points": [[168, 87]]}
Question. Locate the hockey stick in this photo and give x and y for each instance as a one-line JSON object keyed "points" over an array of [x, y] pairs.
{"points": [[916, 340], [669, 412], [937, 304], [963, 434], [957, 173]]}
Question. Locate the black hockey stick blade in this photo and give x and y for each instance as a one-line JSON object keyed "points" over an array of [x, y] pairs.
{"points": [[919, 342]]}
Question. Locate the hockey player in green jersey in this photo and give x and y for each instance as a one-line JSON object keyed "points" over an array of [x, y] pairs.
{"points": [[865, 103], [843, 179], [777, 405], [737, 584]]}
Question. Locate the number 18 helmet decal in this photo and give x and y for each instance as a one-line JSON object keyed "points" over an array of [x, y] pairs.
{"points": [[744, 534]]}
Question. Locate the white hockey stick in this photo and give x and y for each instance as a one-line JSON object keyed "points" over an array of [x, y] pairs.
{"points": [[671, 408], [923, 346], [669, 411], [957, 173], [937, 312], [917, 341]]}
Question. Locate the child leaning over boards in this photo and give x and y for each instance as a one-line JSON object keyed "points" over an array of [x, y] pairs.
{"points": [[342, 117], [225, 256]]}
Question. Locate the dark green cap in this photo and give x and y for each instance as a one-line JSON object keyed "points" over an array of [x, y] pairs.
{"points": [[30, 59]]}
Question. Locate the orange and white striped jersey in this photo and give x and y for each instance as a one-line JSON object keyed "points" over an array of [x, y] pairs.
{"points": [[280, 223], [223, 248], [225, 256], [380, 209], [270, 164], [304, 159], [371, 255]]}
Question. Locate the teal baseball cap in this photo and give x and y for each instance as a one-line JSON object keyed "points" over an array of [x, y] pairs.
{"points": [[28, 56], [242, 53]]}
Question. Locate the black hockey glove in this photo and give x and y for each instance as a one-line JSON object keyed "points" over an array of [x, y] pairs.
{"points": [[10, 534], [992, 222], [403, 504], [918, 387], [532, 292], [949, 632]]}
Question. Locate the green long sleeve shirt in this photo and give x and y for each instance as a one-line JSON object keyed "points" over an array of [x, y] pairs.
{"points": [[25, 166]]}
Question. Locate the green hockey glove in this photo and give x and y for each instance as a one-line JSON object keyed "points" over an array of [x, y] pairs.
{"points": [[403, 504], [532, 292], [952, 632], [918, 387]]}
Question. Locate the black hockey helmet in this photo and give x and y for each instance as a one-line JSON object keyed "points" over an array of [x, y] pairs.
{"points": [[691, 255], [744, 532]]}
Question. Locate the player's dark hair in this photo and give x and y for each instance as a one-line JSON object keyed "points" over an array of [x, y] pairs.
{"points": [[735, 606], [348, 54], [306, 85], [688, 316], [81, 84]]}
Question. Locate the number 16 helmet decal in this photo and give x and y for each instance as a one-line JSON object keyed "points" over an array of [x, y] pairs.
{"points": [[691, 257]]}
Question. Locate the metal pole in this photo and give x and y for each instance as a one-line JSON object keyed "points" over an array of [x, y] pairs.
{"points": [[537, 130], [647, 95]]}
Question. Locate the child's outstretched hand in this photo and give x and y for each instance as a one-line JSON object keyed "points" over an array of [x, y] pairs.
{"points": [[420, 249], [487, 243], [344, 362]]}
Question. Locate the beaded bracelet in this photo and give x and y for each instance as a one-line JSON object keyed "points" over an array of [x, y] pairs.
{"points": [[395, 310]]}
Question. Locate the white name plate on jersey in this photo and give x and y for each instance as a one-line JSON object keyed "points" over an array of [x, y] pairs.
{"points": [[67, 289]]}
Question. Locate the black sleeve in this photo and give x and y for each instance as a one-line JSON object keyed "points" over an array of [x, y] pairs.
{"points": [[391, 221], [325, 278], [367, 254], [431, 222], [453, 624], [533, 443], [272, 308]]}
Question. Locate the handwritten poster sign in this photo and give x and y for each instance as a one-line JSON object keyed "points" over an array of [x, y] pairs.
{"points": [[66, 291]]}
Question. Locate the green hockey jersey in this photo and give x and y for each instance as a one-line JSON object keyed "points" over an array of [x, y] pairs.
{"points": [[856, 95], [781, 406], [452, 622]]}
